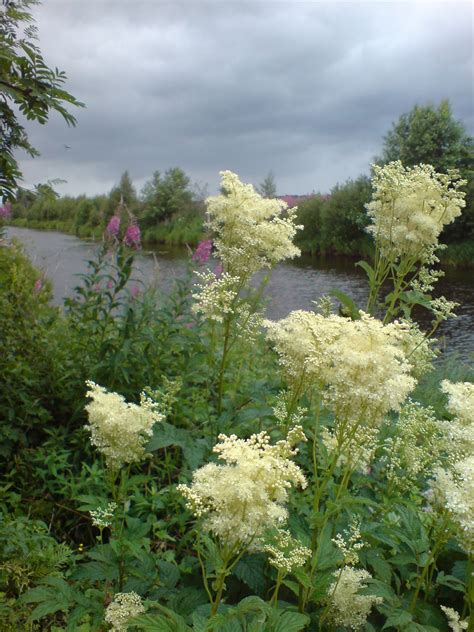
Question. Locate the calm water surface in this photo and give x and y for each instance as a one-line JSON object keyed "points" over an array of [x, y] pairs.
{"points": [[292, 285]]}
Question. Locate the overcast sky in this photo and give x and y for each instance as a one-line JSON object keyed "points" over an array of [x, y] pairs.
{"points": [[306, 89]]}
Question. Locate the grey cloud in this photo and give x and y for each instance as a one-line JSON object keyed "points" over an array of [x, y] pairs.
{"points": [[305, 88]]}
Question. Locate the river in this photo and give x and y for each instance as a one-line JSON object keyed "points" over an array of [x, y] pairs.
{"points": [[292, 285]]}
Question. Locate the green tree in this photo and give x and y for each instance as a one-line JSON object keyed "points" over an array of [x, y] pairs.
{"points": [[27, 85], [165, 195], [431, 135], [125, 192], [267, 188]]}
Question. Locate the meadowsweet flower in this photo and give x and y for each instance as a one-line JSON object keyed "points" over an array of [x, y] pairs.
{"points": [[203, 251], [216, 296], [417, 447], [347, 607], [238, 501], [113, 227], [360, 365], [102, 516], [349, 543], [132, 236], [454, 620], [124, 607], [410, 207], [356, 452], [118, 429], [251, 232], [461, 428], [284, 552], [454, 490]]}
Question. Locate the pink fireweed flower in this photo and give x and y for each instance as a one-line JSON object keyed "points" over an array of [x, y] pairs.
{"points": [[110, 284], [135, 292], [113, 226], [97, 287], [203, 251], [6, 211], [38, 286], [132, 236]]}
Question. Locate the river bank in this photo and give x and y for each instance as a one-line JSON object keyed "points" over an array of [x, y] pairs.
{"points": [[176, 234]]}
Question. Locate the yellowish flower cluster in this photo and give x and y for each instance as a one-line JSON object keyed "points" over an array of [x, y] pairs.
{"points": [[347, 607], [455, 491], [122, 609], [251, 232], [454, 620], [102, 517], [285, 552], [410, 207], [417, 447], [243, 498], [216, 296], [360, 365], [350, 543], [356, 452], [118, 429], [461, 428]]}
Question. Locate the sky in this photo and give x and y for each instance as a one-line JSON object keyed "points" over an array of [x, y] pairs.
{"points": [[305, 89]]}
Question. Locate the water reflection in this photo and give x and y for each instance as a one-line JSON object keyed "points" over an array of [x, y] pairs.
{"points": [[292, 285]]}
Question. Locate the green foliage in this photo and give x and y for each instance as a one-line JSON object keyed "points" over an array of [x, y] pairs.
{"points": [[27, 84], [165, 196], [267, 188]]}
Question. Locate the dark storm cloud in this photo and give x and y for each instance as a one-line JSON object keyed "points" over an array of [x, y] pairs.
{"points": [[305, 89]]}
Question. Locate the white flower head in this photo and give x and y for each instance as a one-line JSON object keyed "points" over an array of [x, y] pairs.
{"points": [[349, 608], [122, 609]]}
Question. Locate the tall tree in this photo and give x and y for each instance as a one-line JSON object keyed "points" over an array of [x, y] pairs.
{"points": [[267, 188], [430, 135], [27, 83], [165, 195]]}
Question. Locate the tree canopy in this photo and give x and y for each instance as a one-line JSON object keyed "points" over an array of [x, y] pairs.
{"points": [[27, 83]]}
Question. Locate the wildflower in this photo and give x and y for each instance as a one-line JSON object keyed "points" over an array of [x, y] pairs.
{"points": [[118, 429], [135, 292], [38, 286], [113, 227], [347, 607], [203, 251], [124, 607], [285, 552], [360, 365], [6, 211], [350, 543], [250, 231], [417, 447], [410, 207], [216, 296], [132, 236], [240, 500], [461, 428], [102, 517], [454, 490], [454, 621]]}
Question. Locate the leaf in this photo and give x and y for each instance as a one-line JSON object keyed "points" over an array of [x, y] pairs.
{"points": [[290, 622], [250, 570], [347, 302], [398, 618], [169, 573], [368, 270], [160, 623]]}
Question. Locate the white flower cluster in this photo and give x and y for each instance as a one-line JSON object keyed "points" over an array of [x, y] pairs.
{"points": [[122, 609], [357, 451], [360, 365], [461, 428], [118, 429], [348, 608], [350, 543], [102, 517], [217, 295], [285, 552], [242, 499], [454, 490], [410, 207], [251, 232], [454, 620], [417, 447]]}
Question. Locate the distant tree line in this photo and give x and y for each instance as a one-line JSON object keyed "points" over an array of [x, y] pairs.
{"points": [[171, 210]]}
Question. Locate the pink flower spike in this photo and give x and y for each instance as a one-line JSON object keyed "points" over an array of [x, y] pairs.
{"points": [[203, 251], [135, 292], [38, 286], [6, 211], [110, 284], [113, 226], [132, 236]]}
